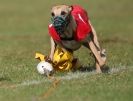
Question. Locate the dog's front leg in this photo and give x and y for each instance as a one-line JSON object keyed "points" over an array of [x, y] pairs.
{"points": [[53, 46]]}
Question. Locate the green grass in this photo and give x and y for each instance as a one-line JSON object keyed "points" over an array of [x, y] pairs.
{"points": [[23, 31]]}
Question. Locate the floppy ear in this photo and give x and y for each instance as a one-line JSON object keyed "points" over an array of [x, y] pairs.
{"points": [[70, 8], [53, 5]]}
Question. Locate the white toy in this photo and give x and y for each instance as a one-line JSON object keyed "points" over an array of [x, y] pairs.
{"points": [[45, 68]]}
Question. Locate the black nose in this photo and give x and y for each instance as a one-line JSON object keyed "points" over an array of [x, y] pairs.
{"points": [[58, 21]]}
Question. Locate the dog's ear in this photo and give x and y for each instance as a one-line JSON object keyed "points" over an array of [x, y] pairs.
{"points": [[70, 8]]}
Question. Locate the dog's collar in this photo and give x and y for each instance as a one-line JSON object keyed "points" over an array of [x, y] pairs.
{"points": [[67, 39]]}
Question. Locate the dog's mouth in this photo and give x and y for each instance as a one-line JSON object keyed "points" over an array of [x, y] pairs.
{"points": [[60, 23]]}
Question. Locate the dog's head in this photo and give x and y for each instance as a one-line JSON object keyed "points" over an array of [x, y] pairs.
{"points": [[61, 10], [61, 17]]}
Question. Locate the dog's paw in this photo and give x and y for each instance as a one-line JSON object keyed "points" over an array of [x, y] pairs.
{"points": [[103, 55], [98, 68]]}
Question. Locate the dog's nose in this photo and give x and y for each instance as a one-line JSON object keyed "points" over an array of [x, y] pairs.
{"points": [[58, 21]]}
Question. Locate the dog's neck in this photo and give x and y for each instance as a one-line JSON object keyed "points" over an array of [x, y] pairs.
{"points": [[69, 32]]}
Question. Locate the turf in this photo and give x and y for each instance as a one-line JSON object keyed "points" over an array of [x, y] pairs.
{"points": [[23, 31]]}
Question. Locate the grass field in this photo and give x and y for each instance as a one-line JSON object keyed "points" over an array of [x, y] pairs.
{"points": [[23, 31]]}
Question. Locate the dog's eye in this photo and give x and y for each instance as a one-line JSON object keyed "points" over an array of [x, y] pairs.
{"points": [[63, 13], [52, 14]]}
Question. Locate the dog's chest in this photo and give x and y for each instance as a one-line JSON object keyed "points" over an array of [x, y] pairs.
{"points": [[71, 44]]}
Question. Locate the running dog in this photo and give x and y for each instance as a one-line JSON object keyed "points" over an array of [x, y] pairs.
{"points": [[71, 28]]}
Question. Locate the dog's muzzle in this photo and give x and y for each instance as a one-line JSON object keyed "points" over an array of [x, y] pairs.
{"points": [[60, 23]]}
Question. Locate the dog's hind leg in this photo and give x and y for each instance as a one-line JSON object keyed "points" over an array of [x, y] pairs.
{"points": [[95, 38], [100, 51], [96, 53]]}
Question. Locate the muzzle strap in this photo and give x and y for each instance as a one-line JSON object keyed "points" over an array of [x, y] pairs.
{"points": [[60, 23]]}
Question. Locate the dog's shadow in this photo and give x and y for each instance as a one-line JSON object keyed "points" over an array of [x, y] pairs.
{"points": [[104, 69]]}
